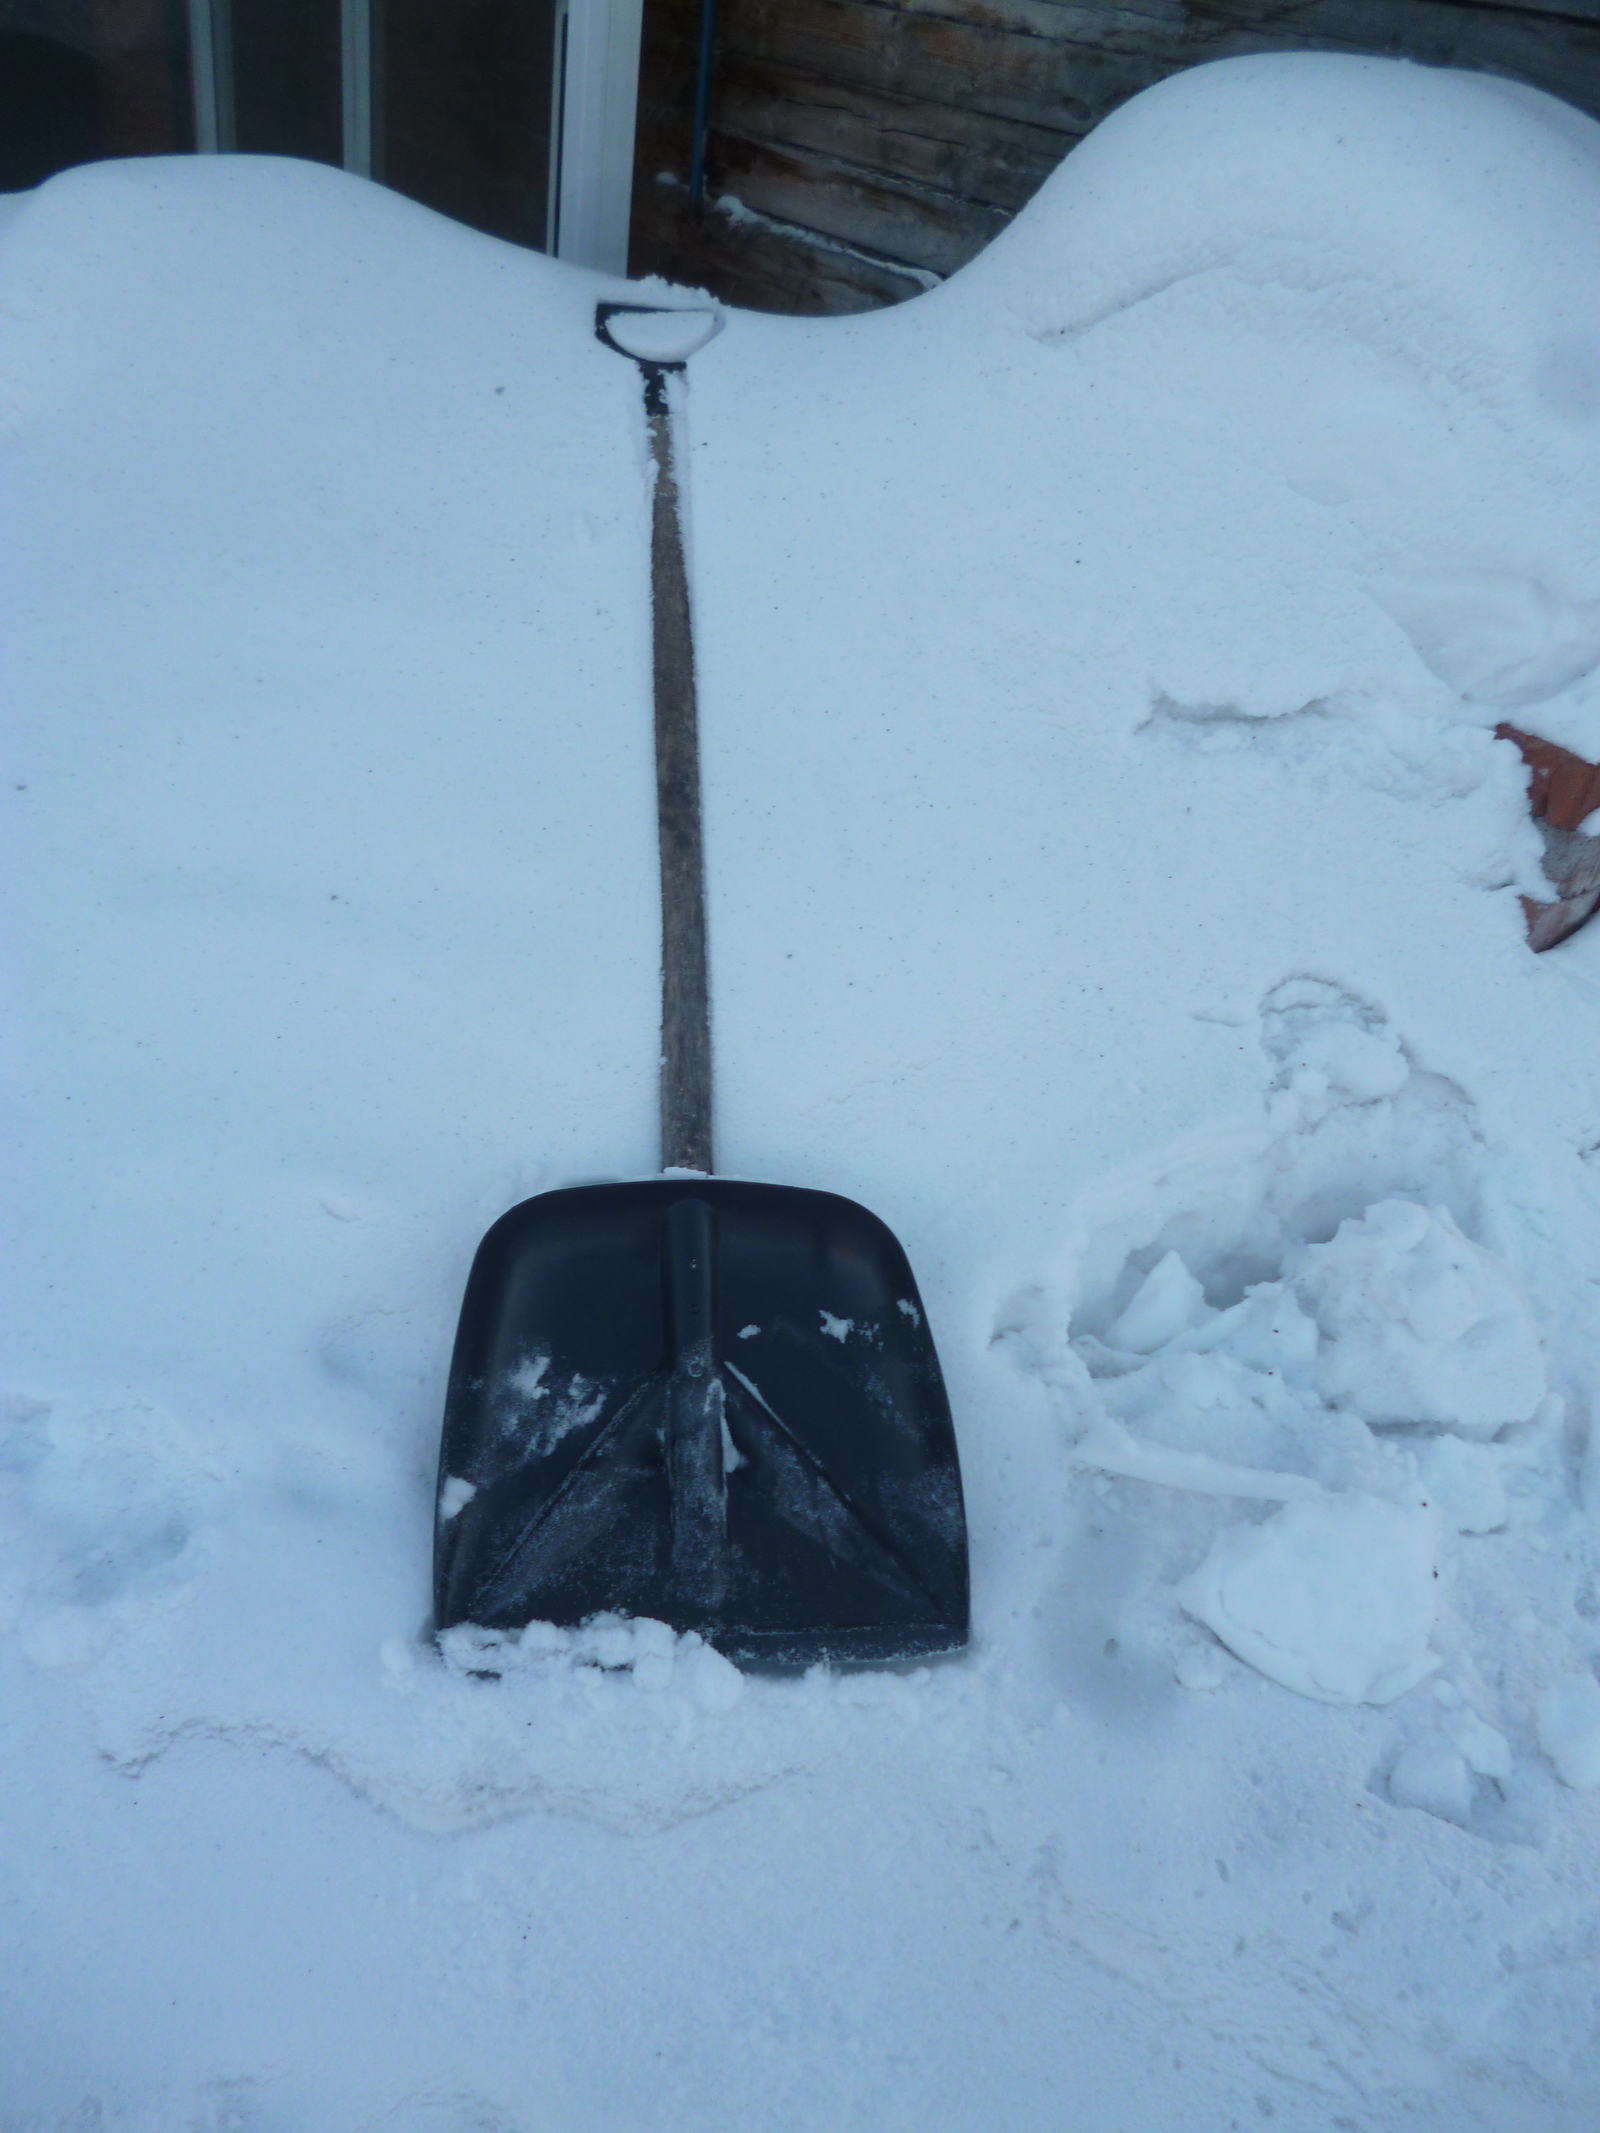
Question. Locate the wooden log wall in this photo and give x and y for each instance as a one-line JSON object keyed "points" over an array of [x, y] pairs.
{"points": [[863, 148]]}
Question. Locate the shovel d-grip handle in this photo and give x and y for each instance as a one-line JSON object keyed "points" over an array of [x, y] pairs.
{"points": [[685, 989]]}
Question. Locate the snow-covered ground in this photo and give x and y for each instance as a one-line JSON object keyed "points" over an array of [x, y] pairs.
{"points": [[1114, 883]]}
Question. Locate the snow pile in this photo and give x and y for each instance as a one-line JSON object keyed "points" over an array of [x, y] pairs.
{"points": [[1363, 1388], [1113, 882], [1400, 1320]]}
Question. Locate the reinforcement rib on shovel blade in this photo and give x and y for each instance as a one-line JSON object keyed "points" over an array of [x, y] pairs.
{"points": [[713, 1403]]}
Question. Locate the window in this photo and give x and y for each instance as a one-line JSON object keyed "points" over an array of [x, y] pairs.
{"points": [[516, 116], [82, 79]]}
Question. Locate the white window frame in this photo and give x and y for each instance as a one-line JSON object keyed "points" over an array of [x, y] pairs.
{"points": [[355, 82], [597, 93], [211, 70], [595, 96]]}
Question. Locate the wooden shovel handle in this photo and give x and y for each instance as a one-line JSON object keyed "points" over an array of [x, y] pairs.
{"points": [[685, 991]]}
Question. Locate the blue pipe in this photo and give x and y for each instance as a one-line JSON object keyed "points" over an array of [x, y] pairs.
{"points": [[702, 104]]}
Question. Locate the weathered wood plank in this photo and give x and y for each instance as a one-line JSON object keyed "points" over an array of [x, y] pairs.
{"points": [[1064, 83], [755, 263], [1135, 18], [937, 232], [995, 162], [1098, 57], [1053, 66]]}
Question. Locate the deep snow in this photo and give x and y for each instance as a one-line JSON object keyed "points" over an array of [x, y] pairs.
{"points": [[1113, 883]]}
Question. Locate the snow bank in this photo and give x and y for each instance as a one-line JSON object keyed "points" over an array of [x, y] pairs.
{"points": [[1293, 199]]}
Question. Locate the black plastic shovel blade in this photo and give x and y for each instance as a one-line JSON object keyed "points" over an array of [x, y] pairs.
{"points": [[710, 1403]]}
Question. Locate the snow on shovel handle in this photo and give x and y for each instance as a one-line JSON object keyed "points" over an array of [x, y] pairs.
{"points": [[658, 337]]}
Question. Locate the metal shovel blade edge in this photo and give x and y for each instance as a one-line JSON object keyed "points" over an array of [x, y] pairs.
{"points": [[711, 1403]]}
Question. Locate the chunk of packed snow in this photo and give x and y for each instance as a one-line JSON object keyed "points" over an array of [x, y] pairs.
{"points": [[455, 1495], [1419, 1324], [1484, 1747], [1568, 1716], [1432, 1775], [1166, 1302], [1213, 1408], [1269, 1332], [1465, 1481], [1334, 1598], [1111, 1449], [1363, 1063]]}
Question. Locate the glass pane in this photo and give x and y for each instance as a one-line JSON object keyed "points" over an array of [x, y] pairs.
{"points": [[464, 110], [287, 99], [85, 79]]}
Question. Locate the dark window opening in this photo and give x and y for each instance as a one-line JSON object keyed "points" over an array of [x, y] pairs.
{"points": [[287, 97], [462, 106], [81, 80]]}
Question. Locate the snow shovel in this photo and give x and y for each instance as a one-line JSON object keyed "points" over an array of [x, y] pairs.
{"points": [[708, 1402]]}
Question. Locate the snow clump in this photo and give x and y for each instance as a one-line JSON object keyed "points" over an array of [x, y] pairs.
{"points": [[1432, 1775], [1569, 1730], [655, 1655], [1334, 1599], [1166, 1303], [1419, 1324]]}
